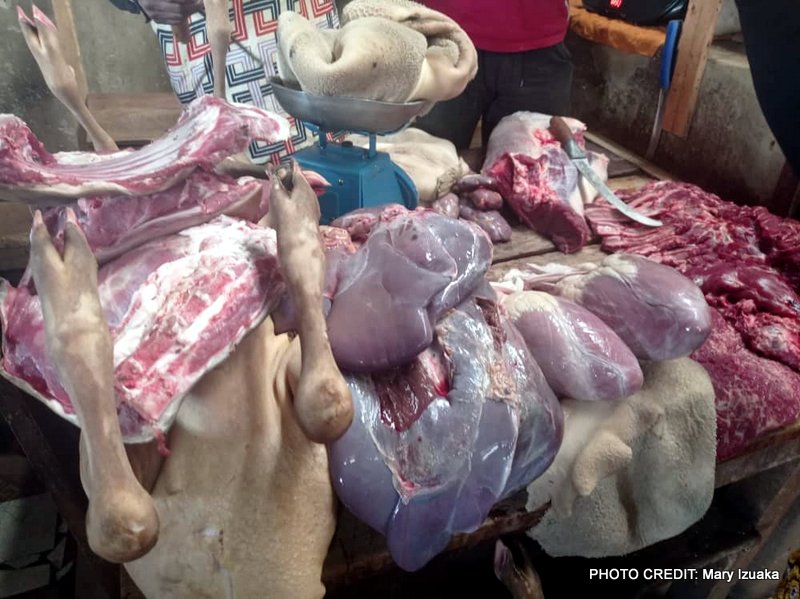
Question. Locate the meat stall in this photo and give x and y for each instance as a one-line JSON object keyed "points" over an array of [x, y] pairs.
{"points": [[443, 349]]}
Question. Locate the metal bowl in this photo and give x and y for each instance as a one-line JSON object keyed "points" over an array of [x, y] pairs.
{"points": [[337, 113]]}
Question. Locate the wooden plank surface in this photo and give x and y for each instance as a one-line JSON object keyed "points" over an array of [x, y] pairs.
{"points": [[135, 119], [618, 166], [358, 552], [612, 148], [697, 34], [766, 452], [15, 223]]}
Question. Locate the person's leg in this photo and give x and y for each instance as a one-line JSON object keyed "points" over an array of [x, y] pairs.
{"points": [[456, 119], [772, 40], [535, 81]]}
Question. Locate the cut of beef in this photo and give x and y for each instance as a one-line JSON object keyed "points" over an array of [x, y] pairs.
{"points": [[745, 260], [208, 131], [753, 394], [538, 180], [176, 307]]}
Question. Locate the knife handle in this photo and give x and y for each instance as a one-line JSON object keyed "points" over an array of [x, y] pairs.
{"points": [[562, 132]]}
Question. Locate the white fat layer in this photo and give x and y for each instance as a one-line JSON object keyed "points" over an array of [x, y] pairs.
{"points": [[522, 302], [152, 298]]}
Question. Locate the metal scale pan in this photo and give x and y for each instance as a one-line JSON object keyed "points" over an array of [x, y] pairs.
{"points": [[360, 178]]}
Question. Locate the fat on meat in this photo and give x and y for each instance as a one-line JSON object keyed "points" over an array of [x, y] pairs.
{"points": [[175, 306], [117, 224], [208, 131], [538, 180]]}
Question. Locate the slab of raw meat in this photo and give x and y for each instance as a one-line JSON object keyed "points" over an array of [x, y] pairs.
{"points": [[538, 180], [392, 291], [754, 395], [117, 224], [208, 130], [436, 443], [175, 306], [744, 258]]}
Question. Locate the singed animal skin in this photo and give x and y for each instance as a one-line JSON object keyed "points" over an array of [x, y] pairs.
{"points": [[245, 503]]}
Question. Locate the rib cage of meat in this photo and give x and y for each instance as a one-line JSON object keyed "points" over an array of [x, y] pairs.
{"points": [[176, 307], [181, 285], [746, 261], [208, 130]]}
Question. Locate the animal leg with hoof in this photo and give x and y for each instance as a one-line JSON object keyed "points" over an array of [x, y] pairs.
{"points": [[122, 523], [41, 36], [322, 399]]}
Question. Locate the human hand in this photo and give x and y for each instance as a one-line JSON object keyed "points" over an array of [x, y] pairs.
{"points": [[170, 12]]}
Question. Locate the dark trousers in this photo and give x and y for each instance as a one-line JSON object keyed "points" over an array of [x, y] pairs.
{"points": [[771, 30], [536, 81]]}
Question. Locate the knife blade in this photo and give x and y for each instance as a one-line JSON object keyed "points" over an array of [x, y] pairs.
{"points": [[562, 132]]}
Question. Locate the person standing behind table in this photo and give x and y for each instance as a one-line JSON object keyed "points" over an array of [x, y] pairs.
{"points": [[771, 31], [251, 58], [523, 64]]}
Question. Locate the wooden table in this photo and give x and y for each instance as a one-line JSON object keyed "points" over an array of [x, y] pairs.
{"points": [[357, 552]]}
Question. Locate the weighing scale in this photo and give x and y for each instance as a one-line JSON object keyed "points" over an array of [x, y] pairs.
{"points": [[359, 177]]}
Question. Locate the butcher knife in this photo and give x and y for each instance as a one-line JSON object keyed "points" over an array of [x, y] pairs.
{"points": [[562, 132]]}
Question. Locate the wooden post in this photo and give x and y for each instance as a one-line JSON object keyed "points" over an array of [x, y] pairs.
{"points": [[698, 31]]}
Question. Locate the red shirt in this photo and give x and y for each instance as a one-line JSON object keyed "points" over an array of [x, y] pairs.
{"points": [[508, 25]]}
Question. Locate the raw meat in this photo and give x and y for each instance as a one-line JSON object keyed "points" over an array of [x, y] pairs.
{"points": [[655, 310], [753, 394], [581, 357], [744, 258], [359, 223], [484, 199], [117, 224], [208, 131], [446, 205], [392, 291], [538, 180], [491, 221], [472, 182], [176, 307], [435, 444]]}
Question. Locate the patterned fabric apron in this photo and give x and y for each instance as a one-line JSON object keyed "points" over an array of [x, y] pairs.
{"points": [[251, 62]]}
